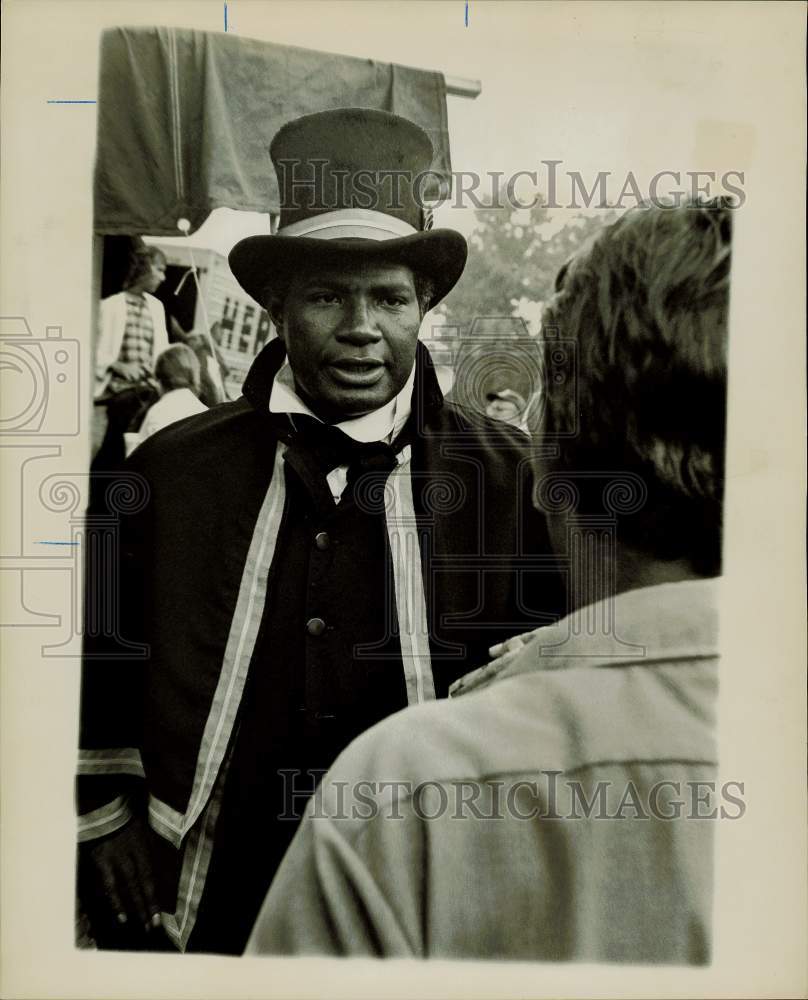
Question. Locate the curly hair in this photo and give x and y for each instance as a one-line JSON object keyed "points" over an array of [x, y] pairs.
{"points": [[647, 302]]}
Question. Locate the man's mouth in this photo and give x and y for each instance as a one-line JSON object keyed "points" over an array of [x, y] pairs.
{"points": [[357, 371]]}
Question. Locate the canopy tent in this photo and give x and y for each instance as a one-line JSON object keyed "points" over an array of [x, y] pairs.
{"points": [[185, 119]]}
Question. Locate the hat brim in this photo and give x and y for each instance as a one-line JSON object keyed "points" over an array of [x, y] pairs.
{"points": [[258, 262]]}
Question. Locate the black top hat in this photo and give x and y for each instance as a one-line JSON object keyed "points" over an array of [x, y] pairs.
{"points": [[351, 184]]}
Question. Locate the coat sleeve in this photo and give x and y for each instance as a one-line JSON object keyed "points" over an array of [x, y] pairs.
{"points": [[110, 775], [325, 900]]}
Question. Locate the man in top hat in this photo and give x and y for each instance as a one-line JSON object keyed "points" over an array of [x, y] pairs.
{"points": [[337, 544]]}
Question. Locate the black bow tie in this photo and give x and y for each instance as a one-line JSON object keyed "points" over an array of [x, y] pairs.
{"points": [[316, 448], [332, 447]]}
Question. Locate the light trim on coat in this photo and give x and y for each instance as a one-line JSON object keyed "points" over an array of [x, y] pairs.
{"points": [[408, 577], [115, 760], [240, 643], [106, 819]]}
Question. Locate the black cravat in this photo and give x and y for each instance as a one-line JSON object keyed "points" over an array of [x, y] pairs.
{"points": [[317, 448]]}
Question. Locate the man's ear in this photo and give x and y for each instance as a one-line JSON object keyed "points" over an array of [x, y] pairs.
{"points": [[275, 309]]}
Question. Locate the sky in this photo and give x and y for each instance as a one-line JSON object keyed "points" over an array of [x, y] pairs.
{"points": [[599, 87]]}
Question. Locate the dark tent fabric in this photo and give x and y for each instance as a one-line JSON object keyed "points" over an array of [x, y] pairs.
{"points": [[185, 119]]}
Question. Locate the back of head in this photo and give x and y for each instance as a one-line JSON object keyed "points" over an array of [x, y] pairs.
{"points": [[178, 368], [647, 303]]}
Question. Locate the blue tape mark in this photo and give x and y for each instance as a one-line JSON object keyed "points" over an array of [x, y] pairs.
{"points": [[467, 13], [225, 17], [72, 102], [57, 543]]}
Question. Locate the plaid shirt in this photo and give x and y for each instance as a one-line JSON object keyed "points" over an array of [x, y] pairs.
{"points": [[138, 337]]}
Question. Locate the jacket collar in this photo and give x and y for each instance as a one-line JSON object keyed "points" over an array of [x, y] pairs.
{"points": [[427, 398], [669, 621]]}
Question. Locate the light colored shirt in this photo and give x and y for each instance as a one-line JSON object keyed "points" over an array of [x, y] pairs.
{"points": [[560, 808], [170, 407], [383, 424]]}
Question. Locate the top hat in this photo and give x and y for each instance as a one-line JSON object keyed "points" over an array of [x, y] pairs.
{"points": [[351, 186]]}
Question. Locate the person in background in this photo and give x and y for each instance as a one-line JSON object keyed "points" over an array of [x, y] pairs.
{"points": [[177, 371], [507, 405], [131, 334], [132, 326], [212, 365], [559, 805]]}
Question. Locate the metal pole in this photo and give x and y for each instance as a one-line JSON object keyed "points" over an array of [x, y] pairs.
{"points": [[459, 86]]}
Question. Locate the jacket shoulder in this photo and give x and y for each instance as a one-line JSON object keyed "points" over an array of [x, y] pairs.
{"points": [[112, 303]]}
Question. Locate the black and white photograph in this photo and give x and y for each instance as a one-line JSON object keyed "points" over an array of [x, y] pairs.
{"points": [[404, 486]]}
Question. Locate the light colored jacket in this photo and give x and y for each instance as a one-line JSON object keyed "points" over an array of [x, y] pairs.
{"points": [[548, 813], [111, 328]]}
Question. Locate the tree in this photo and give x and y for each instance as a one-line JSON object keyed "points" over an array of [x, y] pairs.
{"points": [[491, 317], [514, 256]]}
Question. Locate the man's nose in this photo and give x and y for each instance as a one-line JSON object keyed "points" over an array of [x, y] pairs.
{"points": [[360, 326]]}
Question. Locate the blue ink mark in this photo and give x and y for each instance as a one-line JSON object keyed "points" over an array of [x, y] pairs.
{"points": [[57, 543], [72, 102], [225, 16], [467, 13]]}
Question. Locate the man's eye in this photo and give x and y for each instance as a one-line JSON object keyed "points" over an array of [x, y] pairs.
{"points": [[327, 298], [394, 300]]}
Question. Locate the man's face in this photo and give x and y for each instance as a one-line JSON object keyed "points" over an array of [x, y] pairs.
{"points": [[350, 336], [502, 409]]}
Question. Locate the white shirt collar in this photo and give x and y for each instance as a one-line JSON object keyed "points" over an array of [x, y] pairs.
{"points": [[383, 424]]}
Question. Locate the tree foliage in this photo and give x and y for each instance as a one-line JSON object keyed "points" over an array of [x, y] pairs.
{"points": [[514, 255]]}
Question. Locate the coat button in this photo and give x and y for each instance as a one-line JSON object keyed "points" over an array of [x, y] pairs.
{"points": [[315, 626], [322, 541]]}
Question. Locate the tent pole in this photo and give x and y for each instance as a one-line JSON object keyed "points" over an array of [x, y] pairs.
{"points": [[458, 86]]}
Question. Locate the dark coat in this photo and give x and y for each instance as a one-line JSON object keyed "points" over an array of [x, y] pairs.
{"points": [[486, 568]]}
